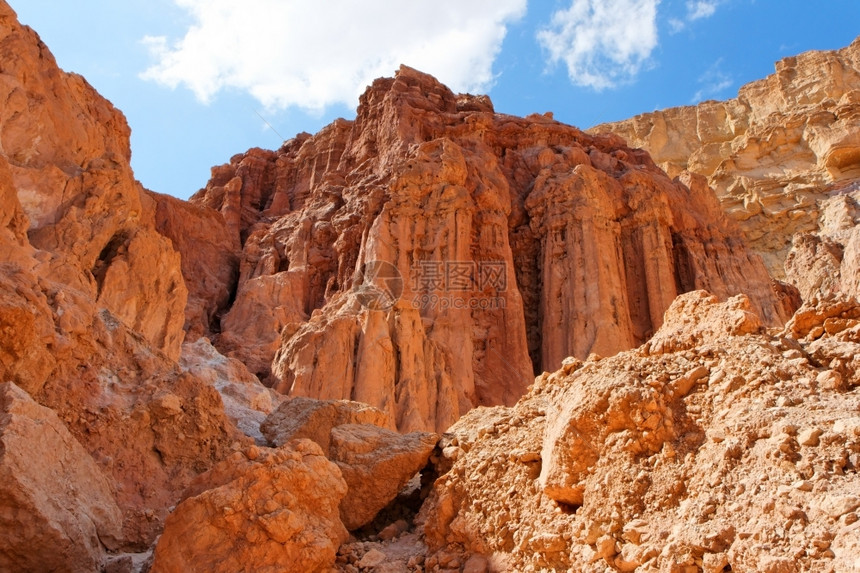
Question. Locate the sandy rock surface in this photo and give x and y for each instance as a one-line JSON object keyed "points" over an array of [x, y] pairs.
{"points": [[265, 511], [730, 447], [776, 155]]}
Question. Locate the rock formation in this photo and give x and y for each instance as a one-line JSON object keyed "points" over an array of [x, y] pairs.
{"points": [[75, 186], [775, 154], [713, 447], [423, 261], [92, 303], [272, 511], [375, 462], [828, 261], [431, 255]]}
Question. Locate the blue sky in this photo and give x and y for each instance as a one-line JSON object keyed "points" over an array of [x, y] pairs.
{"points": [[194, 77]]}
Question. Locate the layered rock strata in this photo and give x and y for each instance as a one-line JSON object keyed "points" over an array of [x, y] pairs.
{"points": [[431, 255], [775, 154]]}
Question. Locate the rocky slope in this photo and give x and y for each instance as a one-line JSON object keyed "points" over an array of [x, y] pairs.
{"points": [[511, 243], [323, 267], [92, 303], [714, 447], [780, 156]]}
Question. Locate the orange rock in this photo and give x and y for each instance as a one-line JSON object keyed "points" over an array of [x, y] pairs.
{"points": [[312, 419], [57, 510], [660, 461], [277, 512], [509, 245], [376, 464], [775, 154], [209, 263], [246, 401], [68, 154]]}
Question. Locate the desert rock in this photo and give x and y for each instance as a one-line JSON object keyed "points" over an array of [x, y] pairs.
{"points": [[775, 154], [246, 401], [74, 184], [431, 255], [827, 262], [398, 271], [694, 454], [278, 511], [209, 260], [92, 301], [57, 510], [301, 417], [376, 463]]}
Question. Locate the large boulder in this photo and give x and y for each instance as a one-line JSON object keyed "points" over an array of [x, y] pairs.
{"points": [[376, 463], [57, 510], [301, 417], [264, 511]]}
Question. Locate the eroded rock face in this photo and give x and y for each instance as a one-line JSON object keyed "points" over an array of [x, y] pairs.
{"points": [[275, 512], [67, 152], [674, 455], [57, 510], [507, 244], [574, 244], [775, 154], [827, 262], [92, 304], [209, 260], [247, 403]]}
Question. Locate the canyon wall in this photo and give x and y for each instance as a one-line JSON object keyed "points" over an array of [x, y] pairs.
{"points": [[92, 307], [426, 258], [432, 255], [776, 155]]}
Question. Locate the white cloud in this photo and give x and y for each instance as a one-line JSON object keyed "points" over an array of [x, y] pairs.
{"points": [[676, 25], [312, 54], [699, 9], [696, 10], [602, 42], [714, 81]]}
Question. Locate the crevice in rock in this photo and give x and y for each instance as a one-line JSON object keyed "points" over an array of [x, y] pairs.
{"points": [[111, 250]]}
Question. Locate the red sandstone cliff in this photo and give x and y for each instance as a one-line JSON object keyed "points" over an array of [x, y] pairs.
{"points": [[592, 242], [574, 245], [92, 303]]}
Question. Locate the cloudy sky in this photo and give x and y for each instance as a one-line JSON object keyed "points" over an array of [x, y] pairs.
{"points": [[202, 80]]}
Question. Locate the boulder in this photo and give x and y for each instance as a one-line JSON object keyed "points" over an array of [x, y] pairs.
{"points": [[57, 510], [376, 464], [301, 417], [266, 511]]}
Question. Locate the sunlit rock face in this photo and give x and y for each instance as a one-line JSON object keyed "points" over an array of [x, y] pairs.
{"points": [[510, 243], [776, 155]]}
